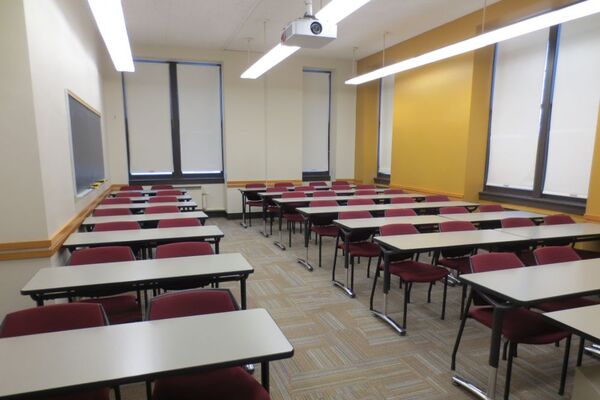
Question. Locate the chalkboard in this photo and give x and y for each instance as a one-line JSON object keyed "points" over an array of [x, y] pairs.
{"points": [[86, 142]]}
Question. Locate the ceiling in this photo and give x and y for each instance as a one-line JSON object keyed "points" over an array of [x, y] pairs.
{"points": [[229, 24]]}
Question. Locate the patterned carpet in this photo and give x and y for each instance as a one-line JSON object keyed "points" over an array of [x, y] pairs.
{"points": [[343, 352]]}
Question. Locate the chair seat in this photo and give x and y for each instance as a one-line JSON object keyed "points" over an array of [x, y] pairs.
{"points": [[364, 249], [254, 203], [460, 264], [521, 325], [293, 217], [119, 309], [587, 254], [565, 304], [222, 384], [414, 271], [325, 230]]}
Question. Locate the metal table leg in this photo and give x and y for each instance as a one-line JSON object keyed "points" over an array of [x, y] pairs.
{"points": [[264, 212], [279, 243], [243, 223], [347, 287], [386, 288], [264, 374], [304, 261]]}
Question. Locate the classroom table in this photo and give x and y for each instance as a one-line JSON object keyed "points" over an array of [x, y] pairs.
{"points": [[144, 199], [147, 192], [479, 217], [182, 205], [374, 197], [51, 363], [144, 237], [525, 287], [73, 281], [583, 321], [141, 218], [542, 233]]}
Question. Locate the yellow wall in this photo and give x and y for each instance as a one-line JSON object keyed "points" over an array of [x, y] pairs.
{"points": [[367, 101], [593, 204]]}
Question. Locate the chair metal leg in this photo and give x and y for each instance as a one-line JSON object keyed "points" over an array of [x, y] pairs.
{"points": [[117, 391], [406, 298], [580, 351], [460, 330], [429, 292], [504, 350], [320, 248], [335, 253], [369, 268], [444, 298], [462, 299], [565, 366], [373, 289], [511, 355], [148, 390]]}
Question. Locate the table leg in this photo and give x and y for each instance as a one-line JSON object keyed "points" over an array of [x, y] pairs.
{"points": [[264, 215], [39, 299], [217, 241], [243, 291], [347, 287], [386, 288], [304, 261], [264, 374], [279, 243], [243, 223]]}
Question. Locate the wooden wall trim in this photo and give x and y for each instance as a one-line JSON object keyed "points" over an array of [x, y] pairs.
{"points": [[428, 191], [590, 217], [47, 248]]}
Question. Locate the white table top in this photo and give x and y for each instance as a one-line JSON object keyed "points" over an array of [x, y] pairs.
{"points": [[147, 191], [143, 199], [138, 351], [345, 198], [584, 320], [491, 216], [141, 235], [139, 206], [383, 207], [54, 279], [555, 231], [373, 223], [529, 285], [440, 240], [144, 217], [310, 192]]}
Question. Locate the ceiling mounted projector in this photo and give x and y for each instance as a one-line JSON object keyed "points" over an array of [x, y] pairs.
{"points": [[308, 32]]}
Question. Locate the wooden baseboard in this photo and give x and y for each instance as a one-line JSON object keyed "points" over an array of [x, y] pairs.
{"points": [[590, 217], [48, 247]]}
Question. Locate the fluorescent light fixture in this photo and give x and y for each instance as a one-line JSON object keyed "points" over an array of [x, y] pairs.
{"points": [[276, 55], [337, 10], [533, 24], [111, 24]]}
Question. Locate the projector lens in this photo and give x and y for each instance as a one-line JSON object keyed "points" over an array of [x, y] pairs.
{"points": [[316, 28]]}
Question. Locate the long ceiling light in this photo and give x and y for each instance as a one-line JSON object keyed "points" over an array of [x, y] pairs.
{"points": [[333, 12], [111, 24], [546, 20]]}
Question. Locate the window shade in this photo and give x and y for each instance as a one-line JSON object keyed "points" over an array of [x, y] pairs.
{"points": [[149, 119], [520, 65], [315, 127], [575, 109], [386, 124]]}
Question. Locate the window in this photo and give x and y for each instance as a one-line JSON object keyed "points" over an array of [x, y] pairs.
{"points": [[544, 115], [386, 125], [316, 111], [174, 122]]}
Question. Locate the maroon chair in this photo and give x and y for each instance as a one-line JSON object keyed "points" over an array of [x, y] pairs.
{"points": [[453, 210], [178, 222], [290, 214], [316, 184], [490, 207], [162, 199], [162, 209], [161, 187], [253, 199], [410, 271], [121, 308], [184, 249], [116, 226], [435, 198], [559, 219], [128, 194], [360, 244], [110, 212], [56, 318], [399, 212], [340, 183], [401, 200], [169, 192], [360, 202], [524, 252], [116, 200], [283, 184], [393, 191], [272, 209], [303, 188], [324, 193], [365, 192], [220, 384], [132, 187], [341, 187], [520, 325], [322, 225], [366, 186]]}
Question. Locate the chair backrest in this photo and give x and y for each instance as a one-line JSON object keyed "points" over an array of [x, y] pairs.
{"points": [[288, 195], [401, 200], [162, 199], [397, 229], [161, 187], [516, 222], [393, 191], [161, 209], [453, 210], [191, 302], [366, 186], [132, 187], [360, 202], [303, 188], [555, 254], [128, 194], [183, 249], [400, 212], [178, 222], [490, 208], [116, 200], [354, 214], [116, 226], [494, 261], [436, 198], [101, 255], [365, 192], [275, 189], [109, 212], [171, 192], [324, 193], [558, 219], [339, 183], [456, 226], [283, 184], [341, 187], [324, 203], [52, 318], [255, 185], [318, 183]]}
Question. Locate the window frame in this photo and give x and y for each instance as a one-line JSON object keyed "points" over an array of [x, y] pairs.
{"points": [[177, 177], [534, 197], [381, 178]]}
